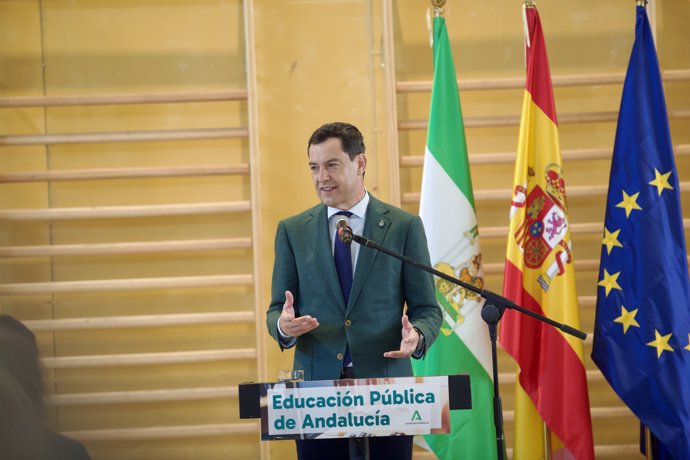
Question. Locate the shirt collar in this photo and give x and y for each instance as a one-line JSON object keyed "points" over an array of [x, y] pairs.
{"points": [[359, 210]]}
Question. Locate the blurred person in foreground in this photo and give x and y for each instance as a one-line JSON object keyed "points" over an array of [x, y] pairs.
{"points": [[24, 434]]}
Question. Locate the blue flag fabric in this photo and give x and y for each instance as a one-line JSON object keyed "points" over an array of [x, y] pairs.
{"points": [[642, 326]]}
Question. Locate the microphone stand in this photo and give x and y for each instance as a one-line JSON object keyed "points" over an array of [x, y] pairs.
{"points": [[492, 311]]}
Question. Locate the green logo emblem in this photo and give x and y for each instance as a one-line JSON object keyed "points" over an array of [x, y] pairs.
{"points": [[416, 417]]}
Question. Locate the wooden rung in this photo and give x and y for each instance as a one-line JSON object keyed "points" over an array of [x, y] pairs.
{"points": [[585, 228], [118, 99], [144, 359], [596, 412], [617, 451], [600, 452], [113, 322], [141, 396], [506, 378], [509, 157], [111, 212], [124, 173], [131, 284], [519, 82], [165, 432], [138, 247], [573, 191], [124, 136], [502, 232], [579, 191], [514, 120], [587, 301], [580, 266]]}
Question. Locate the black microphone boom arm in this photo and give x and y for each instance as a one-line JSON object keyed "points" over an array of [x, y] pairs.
{"points": [[498, 300]]}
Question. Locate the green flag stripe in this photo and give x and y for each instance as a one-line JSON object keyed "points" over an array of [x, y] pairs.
{"points": [[446, 141]]}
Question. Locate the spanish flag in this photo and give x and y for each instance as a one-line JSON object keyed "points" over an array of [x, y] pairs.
{"points": [[539, 275]]}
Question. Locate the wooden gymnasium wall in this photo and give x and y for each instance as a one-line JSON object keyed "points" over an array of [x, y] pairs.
{"points": [[148, 150], [127, 225]]}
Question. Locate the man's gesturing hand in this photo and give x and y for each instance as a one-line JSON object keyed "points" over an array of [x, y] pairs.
{"points": [[410, 339], [291, 326]]}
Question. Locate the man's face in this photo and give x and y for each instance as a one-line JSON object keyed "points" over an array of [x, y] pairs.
{"points": [[339, 181]]}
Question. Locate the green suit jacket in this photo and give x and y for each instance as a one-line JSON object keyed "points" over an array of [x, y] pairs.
{"points": [[371, 322]]}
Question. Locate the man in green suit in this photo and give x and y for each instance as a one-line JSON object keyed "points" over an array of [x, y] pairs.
{"points": [[370, 334]]}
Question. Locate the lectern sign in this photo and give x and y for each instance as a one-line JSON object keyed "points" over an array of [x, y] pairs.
{"points": [[355, 407], [365, 407]]}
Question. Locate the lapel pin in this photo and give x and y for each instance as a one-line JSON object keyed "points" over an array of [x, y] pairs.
{"points": [[381, 223]]}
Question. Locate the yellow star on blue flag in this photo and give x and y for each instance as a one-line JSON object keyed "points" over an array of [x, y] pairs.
{"points": [[627, 319], [661, 181], [660, 343], [629, 203], [611, 240], [610, 282]]}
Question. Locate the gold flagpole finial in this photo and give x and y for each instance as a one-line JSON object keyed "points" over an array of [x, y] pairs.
{"points": [[530, 4], [438, 7], [641, 2]]}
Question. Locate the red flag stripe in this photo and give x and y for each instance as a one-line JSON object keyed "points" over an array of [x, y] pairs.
{"points": [[538, 77], [548, 366]]}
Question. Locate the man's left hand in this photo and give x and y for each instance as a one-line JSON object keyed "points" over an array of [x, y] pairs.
{"points": [[410, 339]]}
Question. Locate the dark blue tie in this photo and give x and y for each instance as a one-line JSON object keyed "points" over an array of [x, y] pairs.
{"points": [[343, 265]]}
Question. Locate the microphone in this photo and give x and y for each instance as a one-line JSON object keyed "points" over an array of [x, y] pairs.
{"points": [[344, 230]]}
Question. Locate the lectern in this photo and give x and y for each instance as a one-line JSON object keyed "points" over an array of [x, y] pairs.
{"points": [[355, 408]]}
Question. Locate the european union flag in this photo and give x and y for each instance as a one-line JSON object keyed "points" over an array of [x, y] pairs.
{"points": [[642, 328]]}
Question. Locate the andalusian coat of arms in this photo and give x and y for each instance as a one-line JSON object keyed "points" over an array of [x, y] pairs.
{"points": [[456, 301]]}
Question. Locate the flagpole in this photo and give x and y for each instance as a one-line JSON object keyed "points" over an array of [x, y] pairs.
{"points": [[547, 441], [546, 431], [648, 450]]}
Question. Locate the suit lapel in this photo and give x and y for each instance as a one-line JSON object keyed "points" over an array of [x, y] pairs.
{"points": [[376, 227], [316, 228]]}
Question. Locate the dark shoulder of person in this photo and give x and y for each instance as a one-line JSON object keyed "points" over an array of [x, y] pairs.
{"points": [[61, 447]]}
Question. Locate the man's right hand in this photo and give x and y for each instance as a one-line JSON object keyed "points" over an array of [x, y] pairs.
{"points": [[291, 326]]}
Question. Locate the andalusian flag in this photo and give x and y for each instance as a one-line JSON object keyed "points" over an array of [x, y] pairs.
{"points": [[447, 209], [539, 275]]}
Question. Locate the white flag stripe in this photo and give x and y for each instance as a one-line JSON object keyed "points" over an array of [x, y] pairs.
{"points": [[441, 196]]}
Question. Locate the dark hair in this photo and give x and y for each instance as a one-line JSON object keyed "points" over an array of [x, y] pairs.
{"points": [[350, 137]]}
